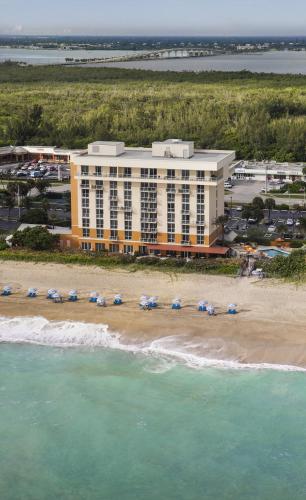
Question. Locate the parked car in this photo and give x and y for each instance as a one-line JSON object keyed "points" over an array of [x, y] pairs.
{"points": [[290, 222], [252, 220], [271, 229]]}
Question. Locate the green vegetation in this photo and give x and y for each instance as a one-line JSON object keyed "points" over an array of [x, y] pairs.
{"points": [[36, 238], [292, 268], [228, 267], [258, 115]]}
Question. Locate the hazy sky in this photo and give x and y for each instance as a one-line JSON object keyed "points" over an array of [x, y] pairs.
{"points": [[141, 17]]}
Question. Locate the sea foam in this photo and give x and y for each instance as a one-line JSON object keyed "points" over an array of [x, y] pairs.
{"points": [[38, 330]]}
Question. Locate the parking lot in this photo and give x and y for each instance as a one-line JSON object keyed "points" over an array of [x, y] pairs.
{"points": [[36, 169], [243, 191], [284, 223]]}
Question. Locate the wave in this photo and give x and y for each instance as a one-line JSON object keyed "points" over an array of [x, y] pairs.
{"points": [[38, 330]]}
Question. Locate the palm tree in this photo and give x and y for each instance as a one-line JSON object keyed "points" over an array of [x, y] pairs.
{"points": [[220, 222]]}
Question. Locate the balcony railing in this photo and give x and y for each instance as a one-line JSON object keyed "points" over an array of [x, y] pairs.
{"points": [[213, 178]]}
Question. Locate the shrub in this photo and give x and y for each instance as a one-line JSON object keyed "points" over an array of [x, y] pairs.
{"points": [[36, 238], [35, 216], [292, 267]]}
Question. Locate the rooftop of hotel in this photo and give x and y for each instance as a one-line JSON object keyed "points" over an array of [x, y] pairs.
{"points": [[169, 150]]}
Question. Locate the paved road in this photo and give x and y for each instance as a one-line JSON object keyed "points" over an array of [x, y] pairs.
{"points": [[245, 191]]}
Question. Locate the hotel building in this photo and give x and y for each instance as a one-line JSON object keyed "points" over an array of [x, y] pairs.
{"points": [[161, 200]]}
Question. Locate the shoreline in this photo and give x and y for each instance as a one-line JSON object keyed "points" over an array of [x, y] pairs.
{"points": [[269, 328]]}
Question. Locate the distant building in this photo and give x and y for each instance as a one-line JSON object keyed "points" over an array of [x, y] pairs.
{"points": [[18, 154], [161, 200], [270, 171]]}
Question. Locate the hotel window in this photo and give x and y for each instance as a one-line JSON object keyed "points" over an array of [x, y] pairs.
{"points": [[153, 173], [84, 170], [113, 248], [171, 189], [200, 239], [127, 186], [85, 245], [128, 249], [114, 224], [85, 222], [200, 175], [128, 172], [185, 238], [171, 174], [100, 233], [185, 175], [185, 229], [171, 207], [99, 223], [144, 173], [171, 238], [98, 171], [113, 234], [99, 203], [85, 183], [185, 219], [170, 217], [99, 213], [113, 171], [99, 184], [85, 212], [100, 247], [128, 235], [128, 225], [85, 233], [171, 228], [85, 193]]}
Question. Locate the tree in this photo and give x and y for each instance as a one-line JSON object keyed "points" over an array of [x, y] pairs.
{"points": [[258, 203], [221, 222], [270, 205], [35, 238], [35, 216], [8, 202], [303, 224], [42, 185]]}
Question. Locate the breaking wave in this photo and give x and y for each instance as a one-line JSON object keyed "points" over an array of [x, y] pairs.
{"points": [[38, 330]]}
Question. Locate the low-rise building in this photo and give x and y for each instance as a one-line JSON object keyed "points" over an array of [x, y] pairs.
{"points": [[269, 171]]}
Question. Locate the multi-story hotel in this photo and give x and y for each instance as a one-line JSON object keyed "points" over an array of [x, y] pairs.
{"points": [[162, 200]]}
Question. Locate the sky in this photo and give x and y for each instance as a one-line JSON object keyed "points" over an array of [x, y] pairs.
{"points": [[153, 17]]}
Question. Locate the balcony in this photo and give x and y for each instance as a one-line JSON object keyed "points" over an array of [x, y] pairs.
{"points": [[157, 180]]}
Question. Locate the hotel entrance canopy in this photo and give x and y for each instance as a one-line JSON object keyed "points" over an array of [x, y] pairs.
{"points": [[191, 249]]}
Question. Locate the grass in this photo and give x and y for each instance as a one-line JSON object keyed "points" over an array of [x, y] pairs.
{"points": [[228, 267]]}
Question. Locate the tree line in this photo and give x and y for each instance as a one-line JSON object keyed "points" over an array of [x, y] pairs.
{"points": [[259, 116]]}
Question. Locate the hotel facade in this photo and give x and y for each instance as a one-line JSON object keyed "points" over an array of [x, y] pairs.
{"points": [[160, 200]]}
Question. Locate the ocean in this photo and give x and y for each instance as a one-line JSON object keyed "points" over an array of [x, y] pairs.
{"points": [[86, 419]]}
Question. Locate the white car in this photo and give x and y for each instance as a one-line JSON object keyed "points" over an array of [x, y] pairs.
{"points": [[271, 229], [297, 223], [290, 222]]}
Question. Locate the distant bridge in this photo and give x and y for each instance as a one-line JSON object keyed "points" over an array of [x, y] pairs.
{"points": [[150, 55]]}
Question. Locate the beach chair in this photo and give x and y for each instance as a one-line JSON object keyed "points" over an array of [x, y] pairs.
{"points": [[7, 290], [73, 296], [51, 293], [176, 304], [232, 309], [93, 297], [32, 293], [202, 306], [117, 300], [153, 302], [211, 310], [57, 298], [101, 302]]}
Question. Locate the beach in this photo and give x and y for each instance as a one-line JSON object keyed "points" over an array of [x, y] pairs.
{"points": [[268, 328]]}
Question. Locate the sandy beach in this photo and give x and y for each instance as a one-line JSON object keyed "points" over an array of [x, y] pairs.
{"points": [[270, 326]]}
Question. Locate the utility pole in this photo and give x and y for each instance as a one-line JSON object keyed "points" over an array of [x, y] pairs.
{"points": [[18, 201]]}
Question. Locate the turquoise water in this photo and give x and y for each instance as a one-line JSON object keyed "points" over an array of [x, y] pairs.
{"points": [[275, 253], [94, 423]]}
